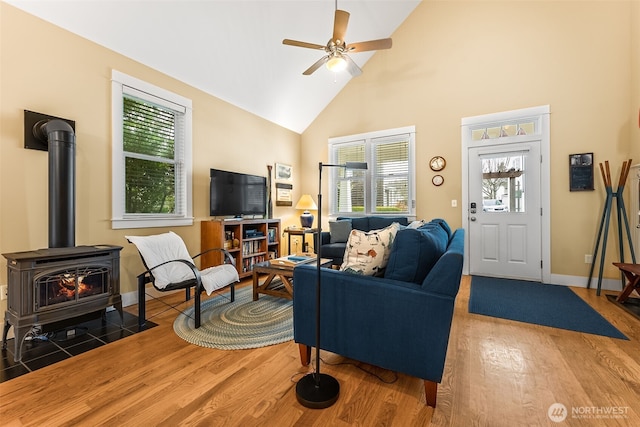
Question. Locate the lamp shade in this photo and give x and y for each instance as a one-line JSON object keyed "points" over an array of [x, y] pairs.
{"points": [[306, 203]]}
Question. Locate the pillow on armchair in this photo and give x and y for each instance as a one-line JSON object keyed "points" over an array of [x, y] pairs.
{"points": [[367, 253]]}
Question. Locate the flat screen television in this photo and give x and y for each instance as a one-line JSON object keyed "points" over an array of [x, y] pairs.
{"points": [[237, 194]]}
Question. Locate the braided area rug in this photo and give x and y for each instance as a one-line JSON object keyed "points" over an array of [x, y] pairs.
{"points": [[237, 325]]}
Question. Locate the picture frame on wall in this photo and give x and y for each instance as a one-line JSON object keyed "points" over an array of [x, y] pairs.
{"points": [[581, 172], [283, 194], [283, 172]]}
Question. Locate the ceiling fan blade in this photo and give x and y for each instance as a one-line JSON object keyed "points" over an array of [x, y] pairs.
{"points": [[340, 23], [369, 45], [352, 67], [319, 63], [302, 44]]}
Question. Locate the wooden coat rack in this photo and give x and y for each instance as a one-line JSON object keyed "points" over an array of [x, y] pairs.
{"points": [[606, 215]]}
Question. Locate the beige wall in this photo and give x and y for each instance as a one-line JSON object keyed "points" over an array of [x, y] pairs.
{"points": [[457, 59], [52, 71], [450, 60]]}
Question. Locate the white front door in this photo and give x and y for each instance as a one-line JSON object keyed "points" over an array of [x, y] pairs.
{"points": [[504, 211]]}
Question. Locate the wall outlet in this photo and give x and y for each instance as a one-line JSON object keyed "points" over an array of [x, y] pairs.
{"points": [[3, 292], [588, 258]]}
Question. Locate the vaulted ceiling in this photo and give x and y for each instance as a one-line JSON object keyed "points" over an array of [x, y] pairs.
{"points": [[233, 49]]}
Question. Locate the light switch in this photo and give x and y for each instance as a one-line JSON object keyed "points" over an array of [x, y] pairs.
{"points": [[454, 203]]}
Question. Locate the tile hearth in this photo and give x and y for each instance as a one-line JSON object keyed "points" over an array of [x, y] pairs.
{"points": [[66, 343]]}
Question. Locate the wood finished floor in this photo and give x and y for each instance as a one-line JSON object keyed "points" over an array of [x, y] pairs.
{"points": [[498, 373]]}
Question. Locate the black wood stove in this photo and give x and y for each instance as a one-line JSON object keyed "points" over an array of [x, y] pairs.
{"points": [[55, 284], [63, 281]]}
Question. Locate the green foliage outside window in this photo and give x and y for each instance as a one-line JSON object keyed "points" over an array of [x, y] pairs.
{"points": [[150, 167]]}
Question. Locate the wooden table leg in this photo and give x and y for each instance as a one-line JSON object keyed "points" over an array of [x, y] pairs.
{"points": [[632, 284], [287, 283], [255, 286]]}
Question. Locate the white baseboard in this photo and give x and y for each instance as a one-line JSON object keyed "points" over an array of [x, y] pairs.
{"points": [[581, 282], [131, 298]]}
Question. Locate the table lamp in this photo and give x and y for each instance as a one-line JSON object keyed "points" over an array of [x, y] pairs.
{"points": [[306, 203]]}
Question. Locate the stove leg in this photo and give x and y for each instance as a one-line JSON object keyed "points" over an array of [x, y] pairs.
{"points": [[118, 306], [20, 334], [7, 326]]}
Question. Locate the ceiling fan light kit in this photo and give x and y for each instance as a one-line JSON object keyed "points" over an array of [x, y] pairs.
{"points": [[336, 63], [336, 59]]}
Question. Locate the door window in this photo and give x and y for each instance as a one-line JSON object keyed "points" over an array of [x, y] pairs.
{"points": [[503, 180]]}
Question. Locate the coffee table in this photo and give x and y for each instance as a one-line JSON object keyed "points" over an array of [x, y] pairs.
{"points": [[282, 288]]}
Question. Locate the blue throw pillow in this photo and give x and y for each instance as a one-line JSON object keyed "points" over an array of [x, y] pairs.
{"points": [[438, 233], [339, 231], [414, 253], [442, 223]]}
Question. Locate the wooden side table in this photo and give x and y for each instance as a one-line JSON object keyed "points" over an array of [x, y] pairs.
{"points": [[632, 273], [299, 232]]}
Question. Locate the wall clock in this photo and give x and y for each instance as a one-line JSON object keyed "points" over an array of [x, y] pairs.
{"points": [[437, 163], [437, 180]]}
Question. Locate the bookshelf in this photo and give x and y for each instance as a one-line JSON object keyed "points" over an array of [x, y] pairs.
{"points": [[249, 241]]}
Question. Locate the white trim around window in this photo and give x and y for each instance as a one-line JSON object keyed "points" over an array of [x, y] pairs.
{"points": [[386, 166], [122, 84]]}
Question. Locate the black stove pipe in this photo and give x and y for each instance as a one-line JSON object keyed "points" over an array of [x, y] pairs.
{"points": [[62, 174]]}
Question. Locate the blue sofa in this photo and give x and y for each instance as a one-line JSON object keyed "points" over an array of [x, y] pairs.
{"points": [[335, 250], [399, 322]]}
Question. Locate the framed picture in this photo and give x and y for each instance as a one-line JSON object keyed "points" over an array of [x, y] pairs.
{"points": [[283, 194], [284, 172], [581, 172]]}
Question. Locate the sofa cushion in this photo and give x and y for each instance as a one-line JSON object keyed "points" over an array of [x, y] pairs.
{"points": [[379, 222], [439, 234], [442, 223], [360, 223], [415, 252], [367, 253], [416, 224], [339, 231], [334, 251]]}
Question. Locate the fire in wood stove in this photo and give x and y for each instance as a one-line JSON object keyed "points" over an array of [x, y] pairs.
{"points": [[72, 285]]}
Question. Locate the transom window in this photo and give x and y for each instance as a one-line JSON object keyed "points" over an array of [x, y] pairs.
{"points": [[151, 155], [387, 186]]}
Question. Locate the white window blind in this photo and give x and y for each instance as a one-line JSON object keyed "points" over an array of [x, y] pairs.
{"points": [[391, 180], [387, 187]]}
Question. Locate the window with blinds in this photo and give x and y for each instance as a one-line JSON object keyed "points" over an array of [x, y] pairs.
{"points": [[152, 164], [387, 187]]}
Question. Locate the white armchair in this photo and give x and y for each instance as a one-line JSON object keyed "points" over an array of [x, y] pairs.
{"points": [[169, 267]]}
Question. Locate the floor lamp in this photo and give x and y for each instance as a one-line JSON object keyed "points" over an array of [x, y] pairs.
{"points": [[316, 390]]}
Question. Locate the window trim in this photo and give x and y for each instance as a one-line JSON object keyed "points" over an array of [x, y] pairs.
{"points": [[366, 139], [121, 83]]}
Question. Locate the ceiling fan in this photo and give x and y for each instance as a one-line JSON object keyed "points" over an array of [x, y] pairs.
{"points": [[337, 49]]}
